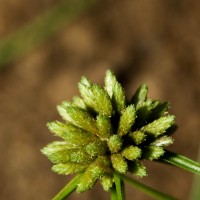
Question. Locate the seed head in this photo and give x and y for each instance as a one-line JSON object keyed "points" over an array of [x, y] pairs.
{"points": [[103, 132]]}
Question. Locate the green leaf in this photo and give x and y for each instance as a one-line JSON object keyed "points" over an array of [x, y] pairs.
{"points": [[115, 143], [115, 91], [159, 126], [69, 168], [119, 163], [131, 152], [95, 97], [77, 117], [126, 120], [95, 170], [104, 127], [140, 95], [73, 135]]}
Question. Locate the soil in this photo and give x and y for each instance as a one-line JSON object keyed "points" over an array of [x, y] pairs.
{"points": [[157, 42]]}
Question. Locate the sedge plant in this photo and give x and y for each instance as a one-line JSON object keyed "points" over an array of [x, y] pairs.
{"points": [[104, 136]]}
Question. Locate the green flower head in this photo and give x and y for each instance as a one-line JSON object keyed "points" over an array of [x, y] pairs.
{"points": [[103, 133]]}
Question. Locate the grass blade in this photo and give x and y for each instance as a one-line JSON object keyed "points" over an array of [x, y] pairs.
{"points": [[68, 189], [148, 190], [181, 161]]}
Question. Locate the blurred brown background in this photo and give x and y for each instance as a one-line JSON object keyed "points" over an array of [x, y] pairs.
{"points": [[157, 42]]}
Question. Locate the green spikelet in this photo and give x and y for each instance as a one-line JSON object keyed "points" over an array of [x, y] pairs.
{"points": [[163, 141], [159, 126], [96, 98], [93, 173], [73, 135], [144, 111], [138, 169], [137, 137], [77, 117], [57, 152], [77, 101], [68, 168], [153, 152], [115, 91], [126, 120], [119, 163], [110, 81], [115, 143], [97, 148], [159, 110], [119, 99], [81, 156], [107, 182], [104, 127], [140, 95], [131, 152]]}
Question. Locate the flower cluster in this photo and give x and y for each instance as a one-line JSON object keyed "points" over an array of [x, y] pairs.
{"points": [[104, 133]]}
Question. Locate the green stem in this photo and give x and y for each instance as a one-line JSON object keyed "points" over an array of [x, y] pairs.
{"points": [[181, 161], [148, 190], [68, 189], [119, 183], [114, 194]]}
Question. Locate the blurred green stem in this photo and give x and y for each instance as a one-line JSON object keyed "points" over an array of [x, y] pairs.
{"points": [[32, 35], [195, 192]]}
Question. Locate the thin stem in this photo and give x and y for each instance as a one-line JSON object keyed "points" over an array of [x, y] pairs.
{"points": [[68, 189], [148, 190], [114, 193], [181, 161], [119, 183]]}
